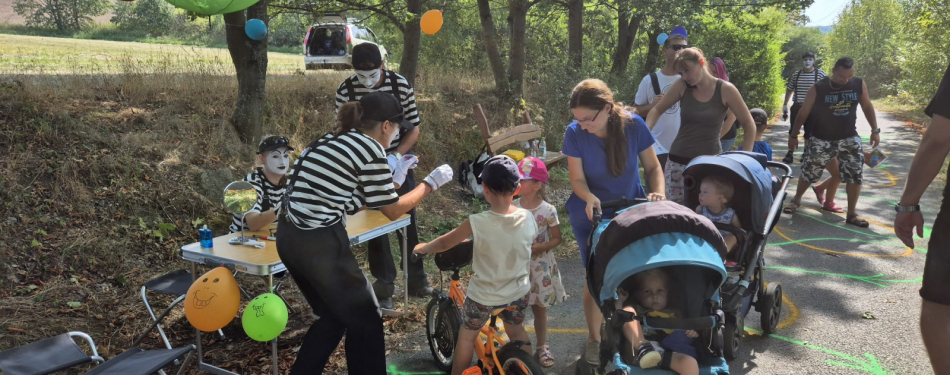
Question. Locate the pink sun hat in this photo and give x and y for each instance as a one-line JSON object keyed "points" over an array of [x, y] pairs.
{"points": [[532, 168]]}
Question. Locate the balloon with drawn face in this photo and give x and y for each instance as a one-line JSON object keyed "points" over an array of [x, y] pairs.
{"points": [[213, 300], [265, 317]]}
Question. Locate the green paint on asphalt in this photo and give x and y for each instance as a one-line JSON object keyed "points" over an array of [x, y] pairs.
{"points": [[869, 364], [874, 280], [392, 370]]}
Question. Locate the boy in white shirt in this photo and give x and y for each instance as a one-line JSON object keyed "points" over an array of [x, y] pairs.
{"points": [[502, 238], [652, 88]]}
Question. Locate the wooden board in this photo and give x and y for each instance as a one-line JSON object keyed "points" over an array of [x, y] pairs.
{"points": [[520, 133]]}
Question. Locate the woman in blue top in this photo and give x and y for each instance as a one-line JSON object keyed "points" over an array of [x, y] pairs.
{"points": [[602, 146]]}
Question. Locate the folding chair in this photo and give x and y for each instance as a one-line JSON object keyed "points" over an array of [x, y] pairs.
{"points": [[175, 283], [61, 352]]}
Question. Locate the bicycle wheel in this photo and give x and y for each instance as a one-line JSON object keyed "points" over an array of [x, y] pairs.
{"points": [[518, 362], [442, 329]]}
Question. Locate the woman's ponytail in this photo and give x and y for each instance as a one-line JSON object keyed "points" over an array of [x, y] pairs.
{"points": [[349, 117]]}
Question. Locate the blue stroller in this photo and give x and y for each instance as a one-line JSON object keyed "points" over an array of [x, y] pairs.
{"points": [[758, 211]]}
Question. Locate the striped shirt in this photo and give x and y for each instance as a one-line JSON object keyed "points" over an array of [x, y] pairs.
{"points": [[337, 176], [801, 81], [352, 90], [268, 197]]}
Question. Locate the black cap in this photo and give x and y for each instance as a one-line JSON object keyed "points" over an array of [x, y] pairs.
{"points": [[383, 106], [498, 170], [759, 116], [807, 55], [366, 56], [272, 143]]}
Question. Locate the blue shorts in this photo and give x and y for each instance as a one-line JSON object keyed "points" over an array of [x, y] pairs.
{"points": [[678, 342]]}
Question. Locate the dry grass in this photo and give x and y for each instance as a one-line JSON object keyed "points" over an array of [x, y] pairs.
{"points": [[120, 135]]}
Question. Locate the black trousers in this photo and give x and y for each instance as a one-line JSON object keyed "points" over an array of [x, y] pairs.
{"points": [[330, 278], [381, 263], [806, 128]]}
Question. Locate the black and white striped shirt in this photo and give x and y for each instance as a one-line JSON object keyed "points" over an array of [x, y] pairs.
{"points": [[352, 90], [801, 81], [268, 197], [338, 176]]}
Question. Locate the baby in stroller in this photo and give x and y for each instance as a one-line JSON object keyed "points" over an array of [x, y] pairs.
{"points": [[646, 293]]}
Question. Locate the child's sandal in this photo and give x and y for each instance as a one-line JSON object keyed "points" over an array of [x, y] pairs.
{"points": [[544, 356]]}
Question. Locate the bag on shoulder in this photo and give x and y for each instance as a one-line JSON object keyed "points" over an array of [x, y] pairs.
{"points": [[470, 172]]}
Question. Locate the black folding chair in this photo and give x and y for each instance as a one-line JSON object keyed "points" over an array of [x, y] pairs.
{"points": [[174, 283]]}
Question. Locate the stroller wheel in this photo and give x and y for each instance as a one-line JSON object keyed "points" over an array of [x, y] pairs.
{"points": [[772, 311], [730, 337]]}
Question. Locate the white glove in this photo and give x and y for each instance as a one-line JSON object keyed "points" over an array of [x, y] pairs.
{"points": [[440, 176], [402, 168], [408, 161], [393, 162]]}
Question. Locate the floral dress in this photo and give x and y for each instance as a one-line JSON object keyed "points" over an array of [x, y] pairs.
{"points": [[546, 287]]}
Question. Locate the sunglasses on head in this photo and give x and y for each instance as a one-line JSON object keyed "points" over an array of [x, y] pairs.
{"points": [[274, 140]]}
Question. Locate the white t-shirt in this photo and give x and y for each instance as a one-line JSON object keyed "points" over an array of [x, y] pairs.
{"points": [[501, 255], [669, 123]]}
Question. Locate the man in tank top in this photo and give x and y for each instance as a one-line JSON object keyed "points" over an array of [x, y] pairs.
{"points": [[833, 102]]}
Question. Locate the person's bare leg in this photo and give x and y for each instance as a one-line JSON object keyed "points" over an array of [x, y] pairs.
{"points": [[633, 333], [831, 184], [684, 364], [516, 332], [935, 330], [854, 192], [730, 244], [803, 185], [593, 317], [464, 349], [540, 324]]}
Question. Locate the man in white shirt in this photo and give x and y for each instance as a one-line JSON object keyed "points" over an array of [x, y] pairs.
{"points": [[652, 88]]}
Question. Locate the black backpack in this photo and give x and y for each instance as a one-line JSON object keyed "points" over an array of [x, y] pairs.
{"points": [[470, 174]]}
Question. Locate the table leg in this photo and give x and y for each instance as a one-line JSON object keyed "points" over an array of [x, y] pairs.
{"points": [[405, 267], [270, 283], [194, 277]]}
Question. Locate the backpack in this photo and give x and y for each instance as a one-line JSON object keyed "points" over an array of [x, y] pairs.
{"points": [[470, 174], [656, 83]]}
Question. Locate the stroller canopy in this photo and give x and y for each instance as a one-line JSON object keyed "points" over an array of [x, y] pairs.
{"points": [[652, 235], [749, 176]]}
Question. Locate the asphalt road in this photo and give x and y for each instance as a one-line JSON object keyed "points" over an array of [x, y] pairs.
{"points": [[851, 303]]}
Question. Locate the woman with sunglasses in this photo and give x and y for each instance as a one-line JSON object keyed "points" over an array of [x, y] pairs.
{"points": [[704, 101], [337, 175], [603, 146]]}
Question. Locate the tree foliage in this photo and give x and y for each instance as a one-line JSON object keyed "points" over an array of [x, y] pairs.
{"points": [[153, 17], [803, 39], [62, 15], [868, 31], [925, 47]]}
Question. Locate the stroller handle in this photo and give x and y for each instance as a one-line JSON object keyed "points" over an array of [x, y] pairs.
{"points": [[623, 202], [783, 166]]}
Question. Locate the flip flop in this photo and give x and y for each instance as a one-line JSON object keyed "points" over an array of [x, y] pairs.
{"points": [[857, 221], [832, 207], [545, 359], [790, 208], [819, 195]]}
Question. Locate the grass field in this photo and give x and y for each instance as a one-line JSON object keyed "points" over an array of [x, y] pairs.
{"points": [[44, 55]]}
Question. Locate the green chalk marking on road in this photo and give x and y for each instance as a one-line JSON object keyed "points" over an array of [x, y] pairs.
{"points": [[392, 370], [820, 220], [869, 364], [874, 280]]}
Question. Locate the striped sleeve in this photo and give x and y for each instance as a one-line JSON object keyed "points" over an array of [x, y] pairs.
{"points": [[375, 180], [407, 97], [342, 94], [790, 86]]}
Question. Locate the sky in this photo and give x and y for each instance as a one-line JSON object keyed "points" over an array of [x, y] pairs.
{"points": [[825, 12]]}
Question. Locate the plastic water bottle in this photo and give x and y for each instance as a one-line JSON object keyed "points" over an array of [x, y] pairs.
{"points": [[543, 148], [534, 148], [205, 237]]}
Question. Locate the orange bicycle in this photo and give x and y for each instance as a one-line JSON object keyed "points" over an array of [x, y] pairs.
{"points": [[443, 319]]}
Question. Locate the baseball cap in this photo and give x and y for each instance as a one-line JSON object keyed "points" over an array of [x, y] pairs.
{"points": [[759, 115], [366, 56], [498, 170], [272, 143], [383, 106], [532, 168], [807, 55]]}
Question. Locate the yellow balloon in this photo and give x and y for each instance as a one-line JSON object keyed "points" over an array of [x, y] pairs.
{"points": [[431, 22], [213, 300]]}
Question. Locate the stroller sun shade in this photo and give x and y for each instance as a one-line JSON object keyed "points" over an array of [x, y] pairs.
{"points": [[651, 235], [749, 176]]}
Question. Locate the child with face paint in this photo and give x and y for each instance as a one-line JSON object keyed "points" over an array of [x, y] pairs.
{"points": [[274, 154], [372, 76]]}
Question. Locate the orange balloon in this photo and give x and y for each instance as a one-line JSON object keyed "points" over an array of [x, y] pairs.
{"points": [[431, 22], [213, 300]]}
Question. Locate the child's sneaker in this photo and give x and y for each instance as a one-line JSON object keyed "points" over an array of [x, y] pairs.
{"points": [[788, 159], [647, 356]]}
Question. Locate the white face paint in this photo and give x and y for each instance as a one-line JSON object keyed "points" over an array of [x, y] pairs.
{"points": [[808, 63], [392, 137], [368, 78], [277, 161]]}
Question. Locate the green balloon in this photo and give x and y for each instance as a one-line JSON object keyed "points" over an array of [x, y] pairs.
{"points": [[212, 7], [265, 317]]}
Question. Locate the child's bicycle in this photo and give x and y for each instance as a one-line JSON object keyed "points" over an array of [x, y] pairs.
{"points": [[443, 321]]}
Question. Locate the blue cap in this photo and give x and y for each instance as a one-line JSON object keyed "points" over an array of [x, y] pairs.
{"points": [[679, 30]]}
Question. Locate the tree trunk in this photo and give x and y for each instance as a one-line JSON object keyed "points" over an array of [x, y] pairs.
{"points": [[626, 34], [411, 41], [518, 11], [575, 35], [250, 63], [653, 54], [491, 45]]}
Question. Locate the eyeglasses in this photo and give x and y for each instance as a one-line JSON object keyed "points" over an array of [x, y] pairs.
{"points": [[590, 120], [677, 47]]}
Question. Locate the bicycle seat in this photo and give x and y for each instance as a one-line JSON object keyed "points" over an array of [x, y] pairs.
{"points": [[499, 311], [455, 258]]}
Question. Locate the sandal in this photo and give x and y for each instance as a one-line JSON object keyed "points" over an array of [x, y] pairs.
{"points": [[544, 356], [832, 207], [857, 221], [790, 208], [819, 194]]}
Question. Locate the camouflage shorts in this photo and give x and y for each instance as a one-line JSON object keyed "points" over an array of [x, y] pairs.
{"points": [[848, 151], [475, 315]]}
